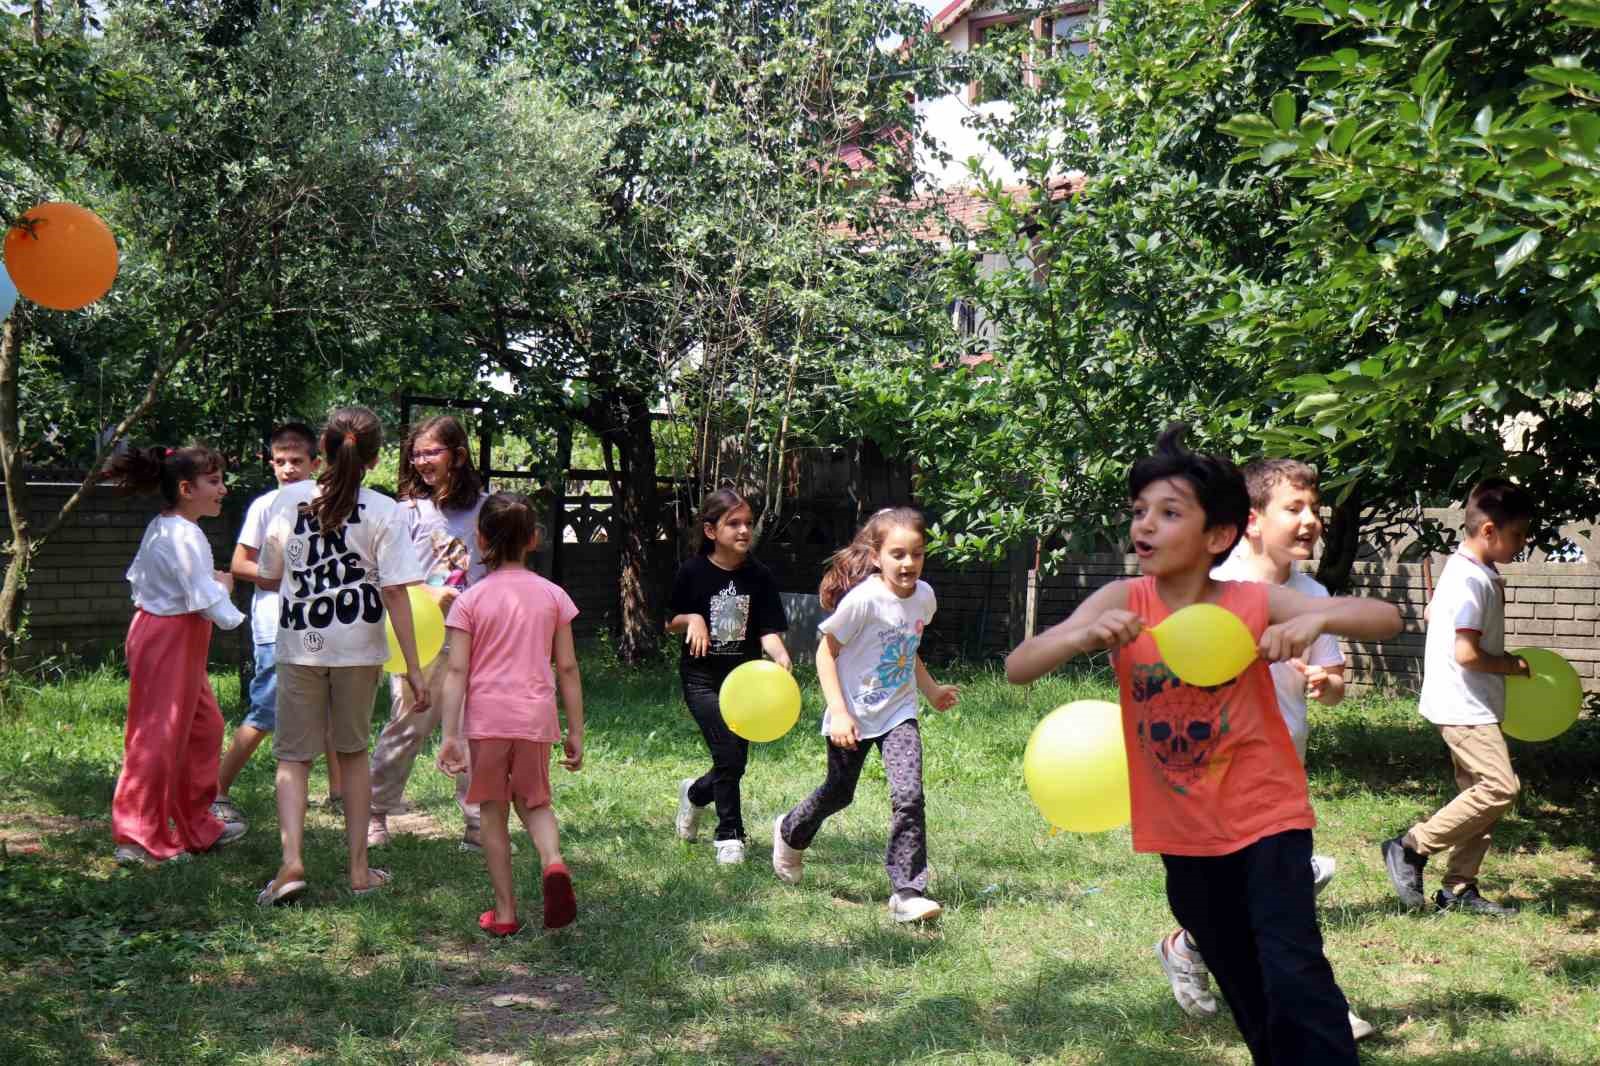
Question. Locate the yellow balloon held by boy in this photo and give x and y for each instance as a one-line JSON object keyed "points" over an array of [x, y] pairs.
{"points": [[760, 700], [1076, 767], [427, 623], [1546, 703], [1205, 644]]}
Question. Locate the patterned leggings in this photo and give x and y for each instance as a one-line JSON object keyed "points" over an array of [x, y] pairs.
{"points": [[907, 856]]}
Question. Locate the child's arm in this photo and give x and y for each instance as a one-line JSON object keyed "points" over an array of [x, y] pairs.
{"points": [[245, 565], [398, 603], [772, 644], [699, 638], [843, 729], [452, 752], [1102, 621], [1325, 684], [570, 686], [942, 697], [1298, 619], [1471, 656]]}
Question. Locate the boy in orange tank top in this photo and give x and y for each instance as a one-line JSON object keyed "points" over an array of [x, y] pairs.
{"points": [[1216, 785]]}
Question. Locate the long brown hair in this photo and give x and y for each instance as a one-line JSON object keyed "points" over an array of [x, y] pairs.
{"points": [[858, 560], [350, 442], [461, 486], [507, 523], [713, 509], [140, 470]]}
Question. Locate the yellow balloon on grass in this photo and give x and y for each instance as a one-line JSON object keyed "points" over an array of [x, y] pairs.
{"points": [[1545, 704], [760, 700], [1076, 767], [427, 625], [1205, 644]]}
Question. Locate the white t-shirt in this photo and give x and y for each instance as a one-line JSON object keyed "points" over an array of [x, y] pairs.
{"points": [[880, 633], [1289, 682], [446, 541], [1469, 595], [330, 612], [173, 573], [264, 603]]}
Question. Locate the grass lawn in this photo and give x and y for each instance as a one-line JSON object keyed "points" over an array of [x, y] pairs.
{"points": [[1044, 954]]}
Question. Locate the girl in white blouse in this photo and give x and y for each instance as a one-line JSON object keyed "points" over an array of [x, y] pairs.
{"points": [[161, 809]]}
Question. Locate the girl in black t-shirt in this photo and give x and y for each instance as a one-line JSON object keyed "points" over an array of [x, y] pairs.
{"points": [[728, 607]]}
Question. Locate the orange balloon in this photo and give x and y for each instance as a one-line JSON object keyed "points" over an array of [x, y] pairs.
{"points": [[61, 256]]}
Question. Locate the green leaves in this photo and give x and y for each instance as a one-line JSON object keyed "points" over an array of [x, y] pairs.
{"points": [[1518, 253]]}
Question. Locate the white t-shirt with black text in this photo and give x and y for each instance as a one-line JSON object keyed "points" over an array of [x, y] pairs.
{"points": [[330, 611], [1289, 682], [880, 633], [1471, 595]]}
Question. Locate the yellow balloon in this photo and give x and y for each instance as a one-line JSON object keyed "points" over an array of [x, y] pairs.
{"points": [[1205, 644], [427, 624], [1076, 767], [760, 700], [1545, 704]]}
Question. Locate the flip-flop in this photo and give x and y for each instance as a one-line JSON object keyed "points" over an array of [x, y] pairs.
{"points": [[377, 880], [487, 923], [560, 904], [275, 894]]}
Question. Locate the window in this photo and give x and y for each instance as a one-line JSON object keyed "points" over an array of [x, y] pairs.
{"points": [[1060, 33]]}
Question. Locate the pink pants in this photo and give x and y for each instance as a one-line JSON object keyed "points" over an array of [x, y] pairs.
{"points": [[172, 745]]}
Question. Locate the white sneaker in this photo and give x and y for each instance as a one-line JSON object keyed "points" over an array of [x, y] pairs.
{"points": [[134, 855], [786, 861], [688, 819], [730, 852], [913, 908], [1187, 973], [1322, 867], [1358, 1028]]}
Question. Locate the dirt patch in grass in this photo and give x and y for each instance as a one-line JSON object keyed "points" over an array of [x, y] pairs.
{"points": [[498, 1024], [25, 834]]}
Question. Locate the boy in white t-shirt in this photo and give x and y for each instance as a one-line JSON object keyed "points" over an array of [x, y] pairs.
{"points": [[1280, 534], [294, 458], [1464, 668]]}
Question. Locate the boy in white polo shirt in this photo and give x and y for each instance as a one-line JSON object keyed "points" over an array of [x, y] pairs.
{"points": [[1464, 669]]}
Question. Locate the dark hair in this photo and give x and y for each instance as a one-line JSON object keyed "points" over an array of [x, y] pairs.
{"points": [[507, 522], [140, 470], [351, 441], [858, 560], [716, 506], [1217, 483], [461, 486], [1498, 500], [1264, 475], [290, 433]]}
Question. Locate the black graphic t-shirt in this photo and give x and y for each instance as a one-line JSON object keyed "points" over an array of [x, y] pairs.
{"points": [[740, 607]]}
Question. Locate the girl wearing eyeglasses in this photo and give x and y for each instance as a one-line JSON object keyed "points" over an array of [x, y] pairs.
{"points": [[440, 495]]}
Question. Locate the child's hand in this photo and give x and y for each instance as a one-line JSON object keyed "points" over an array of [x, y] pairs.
{"points": [[452, 756], [1522, 667], [1289, 640], [697, 638], [944, 697], [1316, 678], [843, 731], [443, 595], [573, 746], [419, 691], [1114, 628], [224, 579]]}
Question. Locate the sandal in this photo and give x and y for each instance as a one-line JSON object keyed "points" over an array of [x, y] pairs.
{"points": [[224, 809], [275, 894], [487, 923], [560, 904], [377, 880]]}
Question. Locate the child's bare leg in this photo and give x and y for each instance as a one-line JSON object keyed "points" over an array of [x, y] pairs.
{"points": [[540, 822], [292, 783], [246, 739], [335, 789], [357, 804], [497, 856]]}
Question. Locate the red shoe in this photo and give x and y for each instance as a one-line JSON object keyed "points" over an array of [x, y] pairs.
{"points": [[560, 905], [487, 923]]}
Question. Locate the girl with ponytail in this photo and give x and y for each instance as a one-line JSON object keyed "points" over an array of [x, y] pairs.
{"points": [[870, 673], [341, 558], [162, 806]]}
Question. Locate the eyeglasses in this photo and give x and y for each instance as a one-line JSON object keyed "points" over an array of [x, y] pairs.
{"points": [[420, 454]]}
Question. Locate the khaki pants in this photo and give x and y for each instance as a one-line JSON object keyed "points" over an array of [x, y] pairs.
{"points": [[1488, 788], [404, 736]]}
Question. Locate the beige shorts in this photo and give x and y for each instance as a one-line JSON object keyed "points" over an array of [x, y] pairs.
{"points": [[317, 703]]}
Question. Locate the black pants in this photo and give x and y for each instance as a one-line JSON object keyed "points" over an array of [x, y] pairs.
{"points": [[1253, 917], [729, 753], [901, 747]]}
